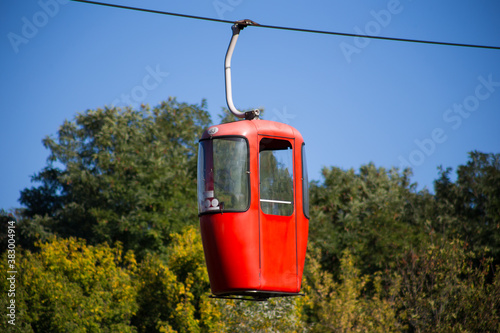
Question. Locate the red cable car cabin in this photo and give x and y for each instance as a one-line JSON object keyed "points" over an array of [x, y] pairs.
{"points": [[253, 208]]}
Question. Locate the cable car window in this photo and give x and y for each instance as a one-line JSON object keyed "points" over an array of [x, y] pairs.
{"points": [[276, 176], [223, 175], [305, 183]]}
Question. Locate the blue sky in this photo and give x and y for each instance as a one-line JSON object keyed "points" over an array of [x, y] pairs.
{"points": [[354, 100]]}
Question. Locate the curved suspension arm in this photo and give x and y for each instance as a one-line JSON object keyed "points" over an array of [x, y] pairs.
{"points": [[227, 66], [237, 27]]}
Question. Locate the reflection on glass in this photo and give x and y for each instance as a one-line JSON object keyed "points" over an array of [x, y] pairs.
{"points": [[223, 175], [276, 176]]}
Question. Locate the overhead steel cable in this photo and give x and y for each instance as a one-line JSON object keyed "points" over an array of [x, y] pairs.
{"points": [[345, 34]]}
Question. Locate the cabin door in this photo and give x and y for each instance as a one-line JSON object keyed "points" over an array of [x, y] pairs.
{"points": [[277, 214]]}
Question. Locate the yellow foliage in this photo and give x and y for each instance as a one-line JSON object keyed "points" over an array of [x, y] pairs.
{"points": [[342, 306], [70, 286], [167, 294]]}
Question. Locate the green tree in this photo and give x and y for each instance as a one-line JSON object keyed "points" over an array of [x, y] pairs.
{"points": [[370, 213], [469, 208], [119, 175], [445, 288]]}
